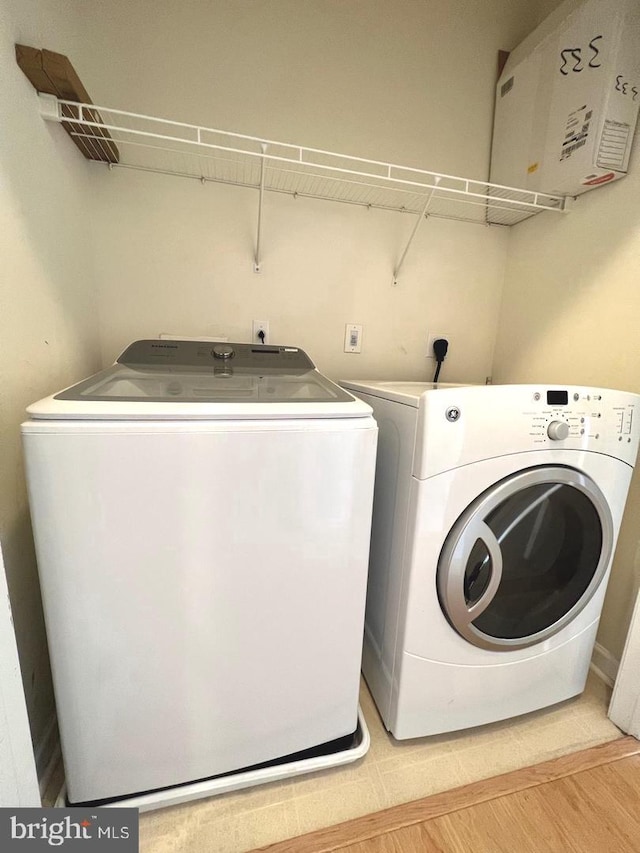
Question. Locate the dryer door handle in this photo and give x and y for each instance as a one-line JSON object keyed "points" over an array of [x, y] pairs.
{"points": [[486, 535], [452, 580]]}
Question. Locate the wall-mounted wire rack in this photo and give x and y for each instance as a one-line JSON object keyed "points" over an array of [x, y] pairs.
{"points": [[192, 151]]}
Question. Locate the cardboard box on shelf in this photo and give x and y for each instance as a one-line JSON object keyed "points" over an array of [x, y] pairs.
{"points": [[567, 100]]}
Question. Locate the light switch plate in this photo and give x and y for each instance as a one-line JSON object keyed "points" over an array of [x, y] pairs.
{"points": [[352, 338]]}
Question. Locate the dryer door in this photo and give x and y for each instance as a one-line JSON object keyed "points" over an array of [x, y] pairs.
{"points": [[525, 558]]}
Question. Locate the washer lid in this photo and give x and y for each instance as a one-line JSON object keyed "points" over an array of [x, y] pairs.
{"points": [[158, 379]]}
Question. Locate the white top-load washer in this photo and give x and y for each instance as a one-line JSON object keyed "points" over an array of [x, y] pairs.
{"points": [[496, 514], [202, 516]]}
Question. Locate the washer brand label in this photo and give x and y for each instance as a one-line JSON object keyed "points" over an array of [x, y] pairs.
{"points": [[34, 830]]}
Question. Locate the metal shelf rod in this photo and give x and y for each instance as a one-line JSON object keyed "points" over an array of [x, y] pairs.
{"points": [[515, 204], [419, 221], [258, 139], [531, 200], [164, 146], [299, 194], [262, 140], [257, 265]]}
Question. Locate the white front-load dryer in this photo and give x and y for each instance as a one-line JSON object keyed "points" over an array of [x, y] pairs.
{"points": [[496, 514]]}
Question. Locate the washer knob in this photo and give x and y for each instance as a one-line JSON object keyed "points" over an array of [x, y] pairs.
{"points": [[558, 430], [222, 351]]}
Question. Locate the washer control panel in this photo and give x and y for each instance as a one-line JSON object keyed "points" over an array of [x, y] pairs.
{"points": [[202, 354]]}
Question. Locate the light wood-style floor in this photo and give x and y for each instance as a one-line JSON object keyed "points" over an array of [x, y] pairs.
{"points": [[393, 773], [587, 802]]}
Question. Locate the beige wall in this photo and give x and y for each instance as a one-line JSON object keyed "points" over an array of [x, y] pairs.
{"points": [[571, 313], [401, 80], [408, 81], [173, 256], [48, 327]]}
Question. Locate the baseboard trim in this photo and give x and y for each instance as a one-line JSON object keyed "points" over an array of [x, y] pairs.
{"points": [[47, 754], [604, 664]]}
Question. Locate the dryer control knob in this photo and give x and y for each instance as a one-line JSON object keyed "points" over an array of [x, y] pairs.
{"points": [[222, 351], [558, 430]]}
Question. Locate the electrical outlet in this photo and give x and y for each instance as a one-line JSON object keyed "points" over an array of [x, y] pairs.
{"points": [[352, 338], [434, 337], [260, 326]]}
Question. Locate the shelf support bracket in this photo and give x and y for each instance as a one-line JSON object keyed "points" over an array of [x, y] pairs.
{"points": [[419, 221], [257, 264]]}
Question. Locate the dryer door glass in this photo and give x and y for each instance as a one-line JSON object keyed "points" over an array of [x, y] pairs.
{"points": [[525, 558]]}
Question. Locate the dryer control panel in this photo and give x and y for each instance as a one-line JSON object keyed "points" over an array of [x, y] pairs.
{"points": [[497, 420], [560, 414]]}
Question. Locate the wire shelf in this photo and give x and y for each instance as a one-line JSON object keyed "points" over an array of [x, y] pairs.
{"points": [[186, 150]]}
